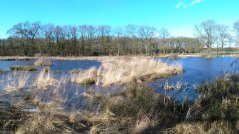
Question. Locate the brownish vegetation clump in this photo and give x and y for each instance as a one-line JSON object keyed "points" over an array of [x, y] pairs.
{"points": [[84, 77], [122, 71], [44, 80], [134, 109], [42, 62]]}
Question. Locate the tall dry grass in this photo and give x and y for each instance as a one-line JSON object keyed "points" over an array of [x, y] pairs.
{"points": [[214, 127], [122, 71], [39, 111], [44, 80], [142, 124], [16, 81], [125, 70], [84, 77], [136, 109], [42, 62], [36, 116]]}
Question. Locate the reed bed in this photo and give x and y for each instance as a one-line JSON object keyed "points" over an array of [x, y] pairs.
{"points": [[125, 70], [121, 71], [44, 80], [215, 110], [16, 81], [42, 62], [134, 109], [84, 77]]}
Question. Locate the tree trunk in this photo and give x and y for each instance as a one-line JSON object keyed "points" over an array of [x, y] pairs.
{"points": [[222, 49]]}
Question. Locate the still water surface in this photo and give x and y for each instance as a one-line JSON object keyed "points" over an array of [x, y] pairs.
{"points": [[198, 70]]}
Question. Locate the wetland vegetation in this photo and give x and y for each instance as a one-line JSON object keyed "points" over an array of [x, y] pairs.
{"points": [[50, 99], [119, 67]]}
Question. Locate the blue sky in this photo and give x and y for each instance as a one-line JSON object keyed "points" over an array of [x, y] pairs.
{"points": [[179, 16]]}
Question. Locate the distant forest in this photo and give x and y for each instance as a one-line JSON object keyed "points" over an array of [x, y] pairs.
{"points": [[29, 39]]}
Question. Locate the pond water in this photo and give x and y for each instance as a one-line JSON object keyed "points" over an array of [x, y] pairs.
{"points": [[58, 65], [197, 71]]}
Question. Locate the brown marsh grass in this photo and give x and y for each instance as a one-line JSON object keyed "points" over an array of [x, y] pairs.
{"points": [[122, 71], [44, 80], [16, 81], [42, 62], [135, 109], [84, 77]]}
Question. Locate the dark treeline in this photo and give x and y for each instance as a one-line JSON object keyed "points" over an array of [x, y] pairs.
{"points": [[85, 40]]}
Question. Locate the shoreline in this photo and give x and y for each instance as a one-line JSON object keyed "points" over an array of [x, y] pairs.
{"points": [[173, 56]]}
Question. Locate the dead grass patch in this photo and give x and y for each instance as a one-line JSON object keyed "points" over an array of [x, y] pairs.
{"points": [[122, 71]]}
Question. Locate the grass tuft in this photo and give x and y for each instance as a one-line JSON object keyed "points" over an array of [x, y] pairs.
{"points": [[44, 80], [42, 62], [16, 81], [87, 77]]}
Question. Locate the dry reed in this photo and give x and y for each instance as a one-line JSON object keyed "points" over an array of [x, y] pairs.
{"points": [[44, 80], [16, 81], [42, 62], [122, 71]]}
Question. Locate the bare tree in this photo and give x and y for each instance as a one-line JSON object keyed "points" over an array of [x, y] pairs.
{"points": [[91, 33], [236, 28], [34, 30], [132, 29], [33, 38], [142, 34], [82, 31], [49, 41], [70, 39], [73, 36], [59, 37], [164, 34], [119, 32], [147, 33], [104, 33], [206, 32], [26, 33], [223, 36]]}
